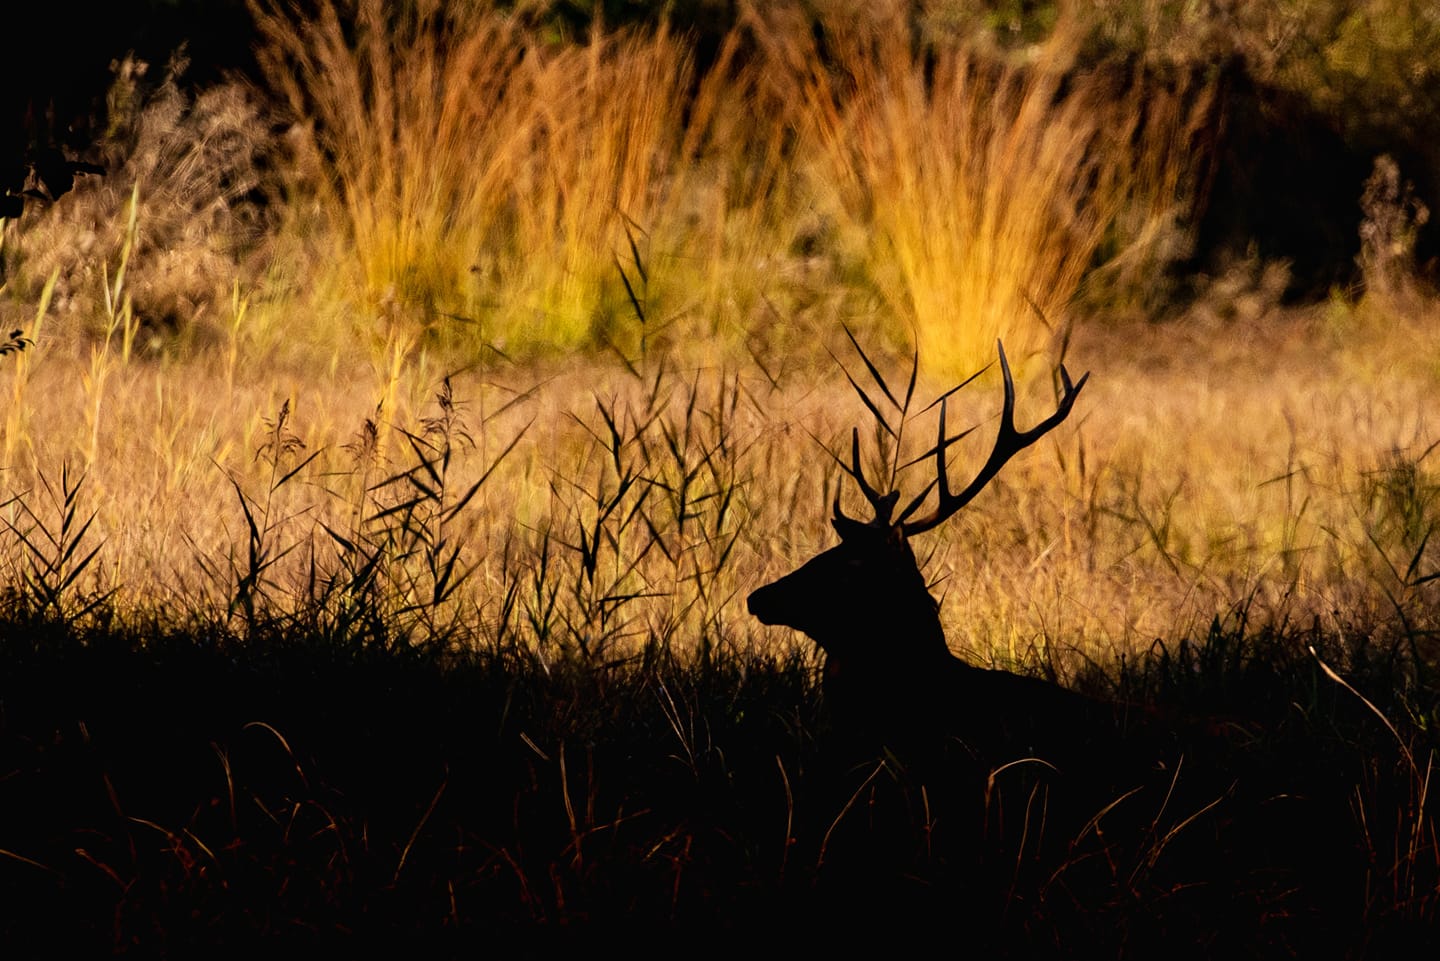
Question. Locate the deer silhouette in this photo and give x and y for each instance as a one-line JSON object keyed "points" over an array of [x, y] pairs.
{"points": [[889, 673], [955, 773]]}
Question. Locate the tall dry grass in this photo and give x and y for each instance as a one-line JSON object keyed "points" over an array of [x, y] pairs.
{"points": [[977, 192], [472, 176], [399, 125], [1278, 467], [1285, 480]]}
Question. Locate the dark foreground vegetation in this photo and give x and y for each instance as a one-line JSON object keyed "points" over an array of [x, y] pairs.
{"points": [[171, 792]]}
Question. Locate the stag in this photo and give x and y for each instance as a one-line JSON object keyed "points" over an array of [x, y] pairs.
{"points": [[888, 671]]}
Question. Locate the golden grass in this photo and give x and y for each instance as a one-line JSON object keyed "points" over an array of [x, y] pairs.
{"points": [[473, 183], [978, 193], [458, 172], [1277, 470], [473, 176]]}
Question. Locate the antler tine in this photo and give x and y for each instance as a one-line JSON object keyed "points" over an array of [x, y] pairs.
{"points": [[1008, 442], [942, 475], [883, 504]]}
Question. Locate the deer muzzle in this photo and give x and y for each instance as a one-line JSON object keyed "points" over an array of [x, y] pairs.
{"points": [[765, 604]]}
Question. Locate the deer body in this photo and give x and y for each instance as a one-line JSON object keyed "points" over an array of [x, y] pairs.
{"points": [[946, 778], [889, 672]]}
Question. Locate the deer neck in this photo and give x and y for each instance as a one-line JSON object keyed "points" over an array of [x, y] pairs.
{"points": [[904, 644]]}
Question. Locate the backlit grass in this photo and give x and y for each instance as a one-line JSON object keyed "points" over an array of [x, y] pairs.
{"points": [[1286, 476], [387, 458]]}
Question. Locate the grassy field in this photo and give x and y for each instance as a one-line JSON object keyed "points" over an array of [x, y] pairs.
{"points": [[388, 453]]}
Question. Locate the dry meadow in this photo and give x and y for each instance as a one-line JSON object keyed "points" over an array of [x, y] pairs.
{"points": [[451, 334]]}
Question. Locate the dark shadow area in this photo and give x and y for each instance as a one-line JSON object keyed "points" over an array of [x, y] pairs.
{"points": [[173, 793]]}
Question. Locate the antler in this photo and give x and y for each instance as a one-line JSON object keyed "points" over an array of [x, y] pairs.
{"points": [[1008, 443], [883, 504]]}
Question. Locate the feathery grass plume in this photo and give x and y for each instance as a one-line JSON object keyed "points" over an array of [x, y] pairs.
{"points": [[471, 175], [1155, 160], [600, 163], [408, 122], [976, 192]]}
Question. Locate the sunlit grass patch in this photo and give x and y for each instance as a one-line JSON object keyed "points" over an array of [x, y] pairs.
{"points": [[475, 178], [1282, 475], [978, 193]]}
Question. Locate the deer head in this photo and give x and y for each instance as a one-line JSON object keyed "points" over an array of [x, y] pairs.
{"points": [[865, 601]]}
